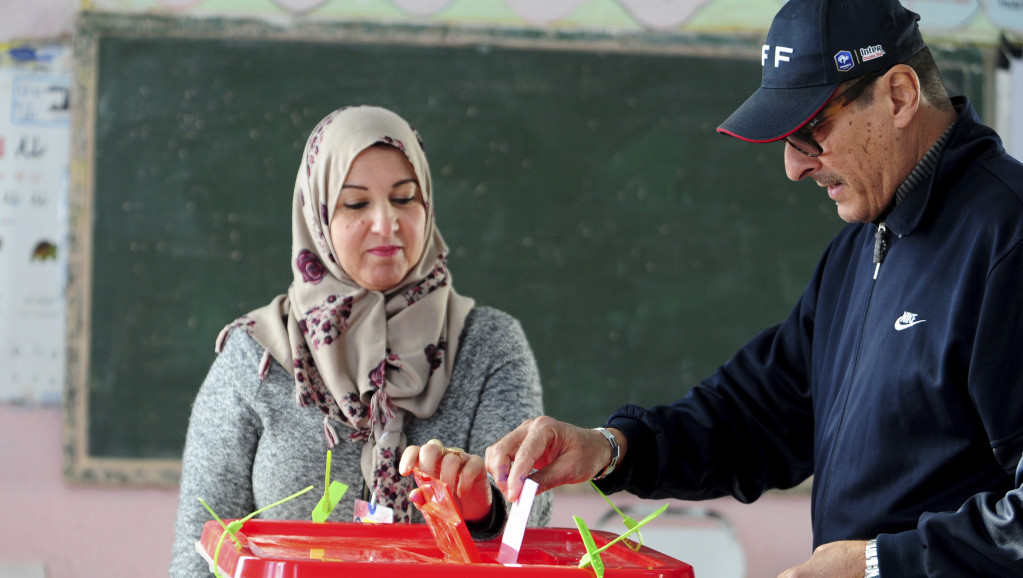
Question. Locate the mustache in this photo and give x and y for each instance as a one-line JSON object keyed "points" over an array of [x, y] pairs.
{"points": [[826, 179]]}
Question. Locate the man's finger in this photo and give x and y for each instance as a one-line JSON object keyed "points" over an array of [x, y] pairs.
{"points": [[499, 456]]}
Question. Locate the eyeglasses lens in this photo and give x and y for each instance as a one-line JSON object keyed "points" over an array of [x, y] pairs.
{"points": [[804, 143], [801, 139]]}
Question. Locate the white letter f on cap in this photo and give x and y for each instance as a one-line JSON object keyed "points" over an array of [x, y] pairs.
{"points": [[781, 54]]}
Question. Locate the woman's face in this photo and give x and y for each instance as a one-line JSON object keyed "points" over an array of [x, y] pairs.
{"points": [[379, 222]]}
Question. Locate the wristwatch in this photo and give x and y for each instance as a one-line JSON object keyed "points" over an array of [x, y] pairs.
{"points": [[616, 452], [873, 569]]}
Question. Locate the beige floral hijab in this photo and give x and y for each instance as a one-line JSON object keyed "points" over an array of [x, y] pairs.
{"points": [[369, 360]]}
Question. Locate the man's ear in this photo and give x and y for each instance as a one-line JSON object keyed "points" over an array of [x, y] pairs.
{"points": [[904, 93]]}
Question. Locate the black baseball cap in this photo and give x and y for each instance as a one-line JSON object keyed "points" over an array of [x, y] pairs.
{"points": [[812, 47]]}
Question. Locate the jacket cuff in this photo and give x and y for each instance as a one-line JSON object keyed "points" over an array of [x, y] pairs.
{"points": [[901, 555], [640, 449]]}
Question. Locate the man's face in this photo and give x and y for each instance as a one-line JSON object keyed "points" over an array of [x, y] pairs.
{"points": [[860, 164]]}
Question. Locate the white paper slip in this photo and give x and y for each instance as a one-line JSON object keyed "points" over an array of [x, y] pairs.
{"points": [[516, 526]]}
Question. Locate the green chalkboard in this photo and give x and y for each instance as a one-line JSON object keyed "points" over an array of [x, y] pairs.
{"points": [[579, 183]]}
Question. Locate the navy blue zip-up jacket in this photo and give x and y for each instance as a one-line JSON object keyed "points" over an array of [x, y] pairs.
{"points": [[902, 394]]}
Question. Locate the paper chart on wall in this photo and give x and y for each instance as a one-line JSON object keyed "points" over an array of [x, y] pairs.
{"points": [[1014, 138], [34, 149]]}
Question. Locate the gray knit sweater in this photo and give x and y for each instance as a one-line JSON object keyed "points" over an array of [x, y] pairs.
{"points": [[249, 444]]}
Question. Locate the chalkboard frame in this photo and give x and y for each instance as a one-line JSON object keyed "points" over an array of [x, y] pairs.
{"points": [[80, 465]]}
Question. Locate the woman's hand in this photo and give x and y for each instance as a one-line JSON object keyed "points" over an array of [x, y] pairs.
{"points": [[462, 472]]}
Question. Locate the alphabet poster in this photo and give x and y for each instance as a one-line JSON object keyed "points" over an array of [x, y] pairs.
{"points": [[34, 147]]}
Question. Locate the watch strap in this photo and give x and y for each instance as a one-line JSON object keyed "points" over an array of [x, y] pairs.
{"points": [[616, 452], [873, 568]]}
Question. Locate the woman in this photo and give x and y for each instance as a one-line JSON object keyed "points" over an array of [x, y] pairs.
{"points": [[370, 351]]}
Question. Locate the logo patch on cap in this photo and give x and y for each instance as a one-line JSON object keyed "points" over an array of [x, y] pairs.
{"points": [[871, 52], [844, 60]]}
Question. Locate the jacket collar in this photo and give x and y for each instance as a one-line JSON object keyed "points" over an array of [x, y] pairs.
{"points": [[967, 140]]}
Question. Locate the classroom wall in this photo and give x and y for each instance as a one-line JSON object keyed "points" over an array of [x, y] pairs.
{"points": [[50, 528]]}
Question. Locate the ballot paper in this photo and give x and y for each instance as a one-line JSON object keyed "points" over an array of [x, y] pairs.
{"points": [[514, 530]]}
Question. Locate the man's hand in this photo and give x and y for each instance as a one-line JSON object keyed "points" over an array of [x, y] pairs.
{"points": [[845, 559], [561, 452]]}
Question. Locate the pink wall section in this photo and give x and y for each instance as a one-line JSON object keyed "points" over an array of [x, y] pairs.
{"points": [[117, 532], [76, 531]]}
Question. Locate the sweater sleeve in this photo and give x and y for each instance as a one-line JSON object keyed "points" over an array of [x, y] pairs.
{"points": [[223, 432], [510, 391]]}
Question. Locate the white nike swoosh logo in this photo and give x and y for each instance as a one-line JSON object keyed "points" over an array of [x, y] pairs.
{"points": [[900, 324]]}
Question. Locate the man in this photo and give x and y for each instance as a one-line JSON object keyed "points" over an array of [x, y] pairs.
{"points": [[897, 381]]}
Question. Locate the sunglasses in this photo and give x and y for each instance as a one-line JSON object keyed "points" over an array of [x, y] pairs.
{"points": [[802, 140]]}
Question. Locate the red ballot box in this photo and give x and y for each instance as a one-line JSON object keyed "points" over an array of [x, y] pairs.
{"points": [[303, 549]]}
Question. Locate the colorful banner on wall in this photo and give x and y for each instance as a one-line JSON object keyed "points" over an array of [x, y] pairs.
{"points": [[956, 20]]}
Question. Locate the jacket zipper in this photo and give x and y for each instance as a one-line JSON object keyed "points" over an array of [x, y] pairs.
{"points": [[880, 246]]}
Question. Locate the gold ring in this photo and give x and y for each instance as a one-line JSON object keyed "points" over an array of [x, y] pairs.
{"points": [[436, 442], [458, 451]]}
